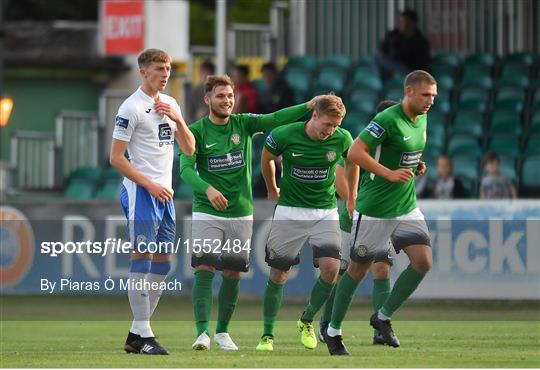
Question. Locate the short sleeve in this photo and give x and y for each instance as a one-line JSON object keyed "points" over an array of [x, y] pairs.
{"points": [[274, 142], [124, 123], [347, 143], [375, 132]]}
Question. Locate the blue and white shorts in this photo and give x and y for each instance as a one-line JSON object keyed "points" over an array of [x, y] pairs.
{"points": [[151, 223]]}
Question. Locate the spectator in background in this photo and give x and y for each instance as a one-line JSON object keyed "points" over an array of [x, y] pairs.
{"points": [[196, 105], [245, 92], [278, 94], [447, 185], [404, 49], [494, 185]]}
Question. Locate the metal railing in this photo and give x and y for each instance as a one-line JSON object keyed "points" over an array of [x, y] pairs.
{"points": [[77, 140], [32, 157]]}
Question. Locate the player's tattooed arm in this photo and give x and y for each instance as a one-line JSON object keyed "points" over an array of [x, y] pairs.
{"points": [[268, 167], [359, 154], [120, 162]]}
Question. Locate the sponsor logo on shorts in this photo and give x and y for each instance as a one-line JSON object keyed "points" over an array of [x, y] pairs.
{"points": [[310, 173], [227, 161], [410, 159], [375, 129], [235, 139], [121, 122], [331, 156], [272, 254], [362, 250], [271, 142]]}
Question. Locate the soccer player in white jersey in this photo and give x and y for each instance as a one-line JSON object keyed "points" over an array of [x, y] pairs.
{"points": [[146, 126]]}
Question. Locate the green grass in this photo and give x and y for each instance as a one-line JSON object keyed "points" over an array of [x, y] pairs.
{"points": [[424, 344], [433, 334]]}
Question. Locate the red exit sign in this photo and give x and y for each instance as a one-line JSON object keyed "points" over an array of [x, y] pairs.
{"points": [[122, 23]]}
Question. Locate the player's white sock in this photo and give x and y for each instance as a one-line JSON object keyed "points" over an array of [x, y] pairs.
{"points": [[154, 294], [140, 306], [333, 332], [382, 316], [158, 274]]}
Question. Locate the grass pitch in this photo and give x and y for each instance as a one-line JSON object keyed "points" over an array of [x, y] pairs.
{"points": [[48, 332]]}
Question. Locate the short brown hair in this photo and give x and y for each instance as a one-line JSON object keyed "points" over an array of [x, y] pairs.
{"points": [[152, 56], [331, 105], [419, 76], [385, 104], [217, 80], [490, 157]]}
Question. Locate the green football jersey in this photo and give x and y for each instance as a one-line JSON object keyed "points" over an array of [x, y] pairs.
{"points": [[309, 166], [223, 158], [345, 221], [395, 142]]}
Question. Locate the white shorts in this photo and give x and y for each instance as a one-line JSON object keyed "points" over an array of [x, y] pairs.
{"points": [[292, 227], [221, 242], [372, 234]]}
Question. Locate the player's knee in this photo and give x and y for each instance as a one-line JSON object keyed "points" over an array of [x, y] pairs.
{"points": [[140, 265], [330, 276], [205, 268], [422, 266], [231, 274], [380, 270], [160, 268], [358, 270], [278, 276]]}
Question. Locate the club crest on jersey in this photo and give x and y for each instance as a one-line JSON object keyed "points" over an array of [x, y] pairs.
{"points": [[235, 139], [121, 122], [164, 132], [271, 142], [331, 156], [375, 129]]}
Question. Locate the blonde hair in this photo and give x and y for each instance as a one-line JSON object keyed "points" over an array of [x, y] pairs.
{"points": [[330, 105], [217, 80], [152, 56]]}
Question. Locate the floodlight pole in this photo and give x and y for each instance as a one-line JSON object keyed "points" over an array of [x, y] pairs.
{"points": [[221, 36]]}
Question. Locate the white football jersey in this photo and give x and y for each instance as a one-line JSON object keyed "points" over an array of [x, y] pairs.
{"points": [[150, 136]]}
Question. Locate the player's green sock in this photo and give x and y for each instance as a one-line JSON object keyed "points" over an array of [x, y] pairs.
{"points": [[319, 295], [329, 305], [344, 293], [202, 299], [273, 295], [406, 283], [227, 298], [379, 295]]}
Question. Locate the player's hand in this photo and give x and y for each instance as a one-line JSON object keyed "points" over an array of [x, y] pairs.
{"points": [[273, 194], [163, 108], [217, 199], [312, 102], [401, 175], [421, 169], [351, 204], [159, 192]]}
